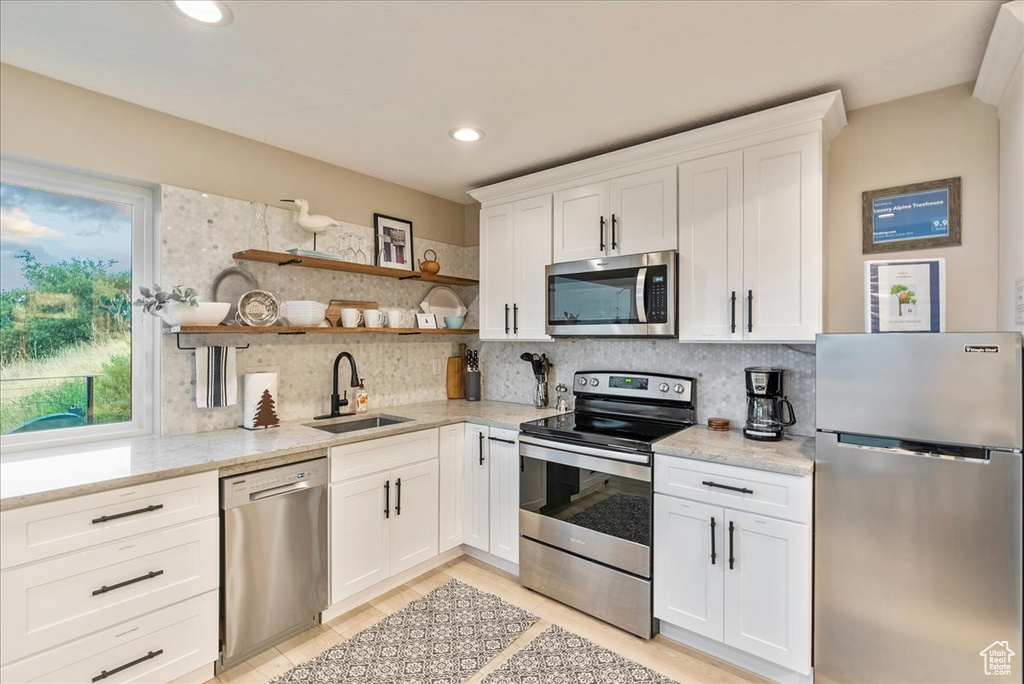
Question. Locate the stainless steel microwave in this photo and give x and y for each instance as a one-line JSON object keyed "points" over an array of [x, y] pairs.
{"points": [[622, 296]]}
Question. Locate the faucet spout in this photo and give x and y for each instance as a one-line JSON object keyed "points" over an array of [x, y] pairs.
{"points": [[337, 401]]}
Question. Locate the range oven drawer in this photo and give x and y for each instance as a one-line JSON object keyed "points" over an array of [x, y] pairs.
{"points": [[604, 548], [615, 597]]}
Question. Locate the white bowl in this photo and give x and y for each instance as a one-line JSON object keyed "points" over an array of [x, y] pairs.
{"points": [[304, 320], [207, 313]]}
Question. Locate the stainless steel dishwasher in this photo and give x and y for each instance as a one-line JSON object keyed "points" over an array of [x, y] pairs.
{"points": [[274, 532]]}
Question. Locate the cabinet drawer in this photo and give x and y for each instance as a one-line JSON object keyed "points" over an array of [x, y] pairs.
{"points": [[775, 494], [183, 637], [60, 599], [37, 532], [377, 455]]}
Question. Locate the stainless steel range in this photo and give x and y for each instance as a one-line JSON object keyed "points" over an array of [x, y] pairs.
{"points": [[586, 493]]}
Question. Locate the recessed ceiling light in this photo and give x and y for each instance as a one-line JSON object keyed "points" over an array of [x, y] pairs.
{"points": [[466, 134], [206, 12]]}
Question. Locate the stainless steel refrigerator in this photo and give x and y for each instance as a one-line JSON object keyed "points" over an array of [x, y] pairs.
{"points": [[917, 510]]}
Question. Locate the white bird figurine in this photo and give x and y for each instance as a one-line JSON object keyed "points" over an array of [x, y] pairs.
{"points": [[314, 223]]}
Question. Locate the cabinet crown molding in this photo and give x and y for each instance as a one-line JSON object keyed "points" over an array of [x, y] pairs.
{"points": [[1002, 55], [826, 112]]}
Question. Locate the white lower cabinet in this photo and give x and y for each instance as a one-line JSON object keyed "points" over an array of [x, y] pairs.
{"points": [[491, 508], [735, 576], [386, 522], [451, 470]]}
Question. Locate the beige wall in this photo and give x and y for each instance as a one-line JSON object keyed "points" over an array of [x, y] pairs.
{"points": [[47, 120], [939, 134], [472, 224]]}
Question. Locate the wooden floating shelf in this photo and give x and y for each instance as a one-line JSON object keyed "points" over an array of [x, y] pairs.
{"points": [[283, 330], [286, 259]]}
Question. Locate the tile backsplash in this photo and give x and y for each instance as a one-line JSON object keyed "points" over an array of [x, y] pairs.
{"points": [[200, 231], [718, 368]]}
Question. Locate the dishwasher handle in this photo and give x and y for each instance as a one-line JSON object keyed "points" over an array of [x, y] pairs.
{"points": [[278, 491]]}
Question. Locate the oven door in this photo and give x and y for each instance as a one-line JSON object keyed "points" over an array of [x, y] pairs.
{"points": [[580, 501], [632, 296]]}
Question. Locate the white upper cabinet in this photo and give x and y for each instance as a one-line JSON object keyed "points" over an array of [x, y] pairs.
{"points": [[750, 243], [515, 248], [782, 238], [581, 229], [711, 248], [643, 212], [496, 241]]}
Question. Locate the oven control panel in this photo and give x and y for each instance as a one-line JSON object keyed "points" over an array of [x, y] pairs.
{"points": [[634, 385]]}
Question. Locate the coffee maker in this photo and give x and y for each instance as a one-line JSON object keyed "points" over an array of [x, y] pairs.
{"points": [[765, 402]]}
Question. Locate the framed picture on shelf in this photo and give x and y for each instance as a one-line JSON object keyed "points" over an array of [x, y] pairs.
{"points": [[426, 321], [392, 242], [905, 295], [916, 216]]}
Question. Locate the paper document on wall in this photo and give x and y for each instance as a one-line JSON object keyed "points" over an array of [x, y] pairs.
{"points": [[905, 295]]}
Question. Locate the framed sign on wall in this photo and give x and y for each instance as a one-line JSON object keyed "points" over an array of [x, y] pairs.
{"points": [[916, 216], [905, 295]]}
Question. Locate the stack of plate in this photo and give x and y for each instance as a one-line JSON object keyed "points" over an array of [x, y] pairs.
{"points": [[718, 424], [303, 314]]}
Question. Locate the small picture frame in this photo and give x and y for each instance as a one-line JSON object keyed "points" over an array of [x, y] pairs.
{"points": [[426, 321], [915, 216], [392, 242], [905, 295]]}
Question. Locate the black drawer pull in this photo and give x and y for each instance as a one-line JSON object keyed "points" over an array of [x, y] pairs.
{"points": [[713, 554], [614, 244], [387, 499], [732, 559], [107, 518], [499, 439], [121, 668], [732, 320], [149, 575], [481, 435], [601, 226], [750, 311], [398, 491], [744, 490]]}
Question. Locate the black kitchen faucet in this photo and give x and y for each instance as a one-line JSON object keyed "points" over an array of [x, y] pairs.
{"points": [[337, 401]]}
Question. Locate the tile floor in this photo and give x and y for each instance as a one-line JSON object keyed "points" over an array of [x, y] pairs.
{"points": [[666, 657]]}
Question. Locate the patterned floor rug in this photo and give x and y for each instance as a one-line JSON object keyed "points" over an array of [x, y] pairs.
{"points": [[443, 638], [557, 656]]}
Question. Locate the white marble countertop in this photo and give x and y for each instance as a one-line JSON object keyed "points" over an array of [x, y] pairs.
{"points": [[33, 477], [791, 455]]}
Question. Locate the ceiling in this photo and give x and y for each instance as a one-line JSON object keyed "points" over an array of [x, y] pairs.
{"points": [[375, 86]]}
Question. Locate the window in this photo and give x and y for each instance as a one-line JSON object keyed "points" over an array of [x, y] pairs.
{"points": [[76, 360]]}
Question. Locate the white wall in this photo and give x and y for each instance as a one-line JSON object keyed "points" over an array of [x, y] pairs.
{"points": [[1011, 198]]}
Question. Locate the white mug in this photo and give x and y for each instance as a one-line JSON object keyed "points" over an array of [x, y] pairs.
{"points": [[396, 318], [374, 318], [350, 318]]}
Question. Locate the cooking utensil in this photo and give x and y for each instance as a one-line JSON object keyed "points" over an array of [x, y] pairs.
{"points": [[229, 285], [430, 265], [456, 379], [257, 308]]}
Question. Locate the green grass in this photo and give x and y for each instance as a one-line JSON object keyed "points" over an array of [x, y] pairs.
{"points": [[37, 387]]}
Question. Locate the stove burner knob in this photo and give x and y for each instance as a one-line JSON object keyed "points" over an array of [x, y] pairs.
{"points": [[595, 382], [582, 381], [663, 387], [678, 388]]}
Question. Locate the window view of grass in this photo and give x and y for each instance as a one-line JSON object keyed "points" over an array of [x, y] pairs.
{"points": [[65, 310]]}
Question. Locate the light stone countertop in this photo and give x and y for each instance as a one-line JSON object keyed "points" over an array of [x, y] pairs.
{"points": [[791, 455], [32, 477]]}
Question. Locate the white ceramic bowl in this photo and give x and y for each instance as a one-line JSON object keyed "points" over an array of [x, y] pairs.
{"points": [[304, 320], [207, 313], [302, 313]]}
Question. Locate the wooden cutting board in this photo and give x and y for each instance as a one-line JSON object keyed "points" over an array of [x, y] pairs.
{"points": [[457, 374], [333, 313]]}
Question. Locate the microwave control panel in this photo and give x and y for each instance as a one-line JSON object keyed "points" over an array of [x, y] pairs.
{"points": [[657, 295]]}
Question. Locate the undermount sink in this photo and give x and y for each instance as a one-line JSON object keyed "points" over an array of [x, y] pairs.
{"points": [[361, 424]]}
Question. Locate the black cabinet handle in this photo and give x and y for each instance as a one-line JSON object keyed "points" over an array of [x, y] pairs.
{"points": [[522, 464], [602, 233], [750, 311], [387, 498], [122, 668], [506, 319], [107, 518], [732, 323], [398, 495], [499, 439], [713, 554], [481, 448], [732, 559], [149, 575], [515, 319], [709, 483], [614, 244]]}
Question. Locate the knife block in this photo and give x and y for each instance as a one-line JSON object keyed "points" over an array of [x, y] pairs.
{"points": [[473, 386]]}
